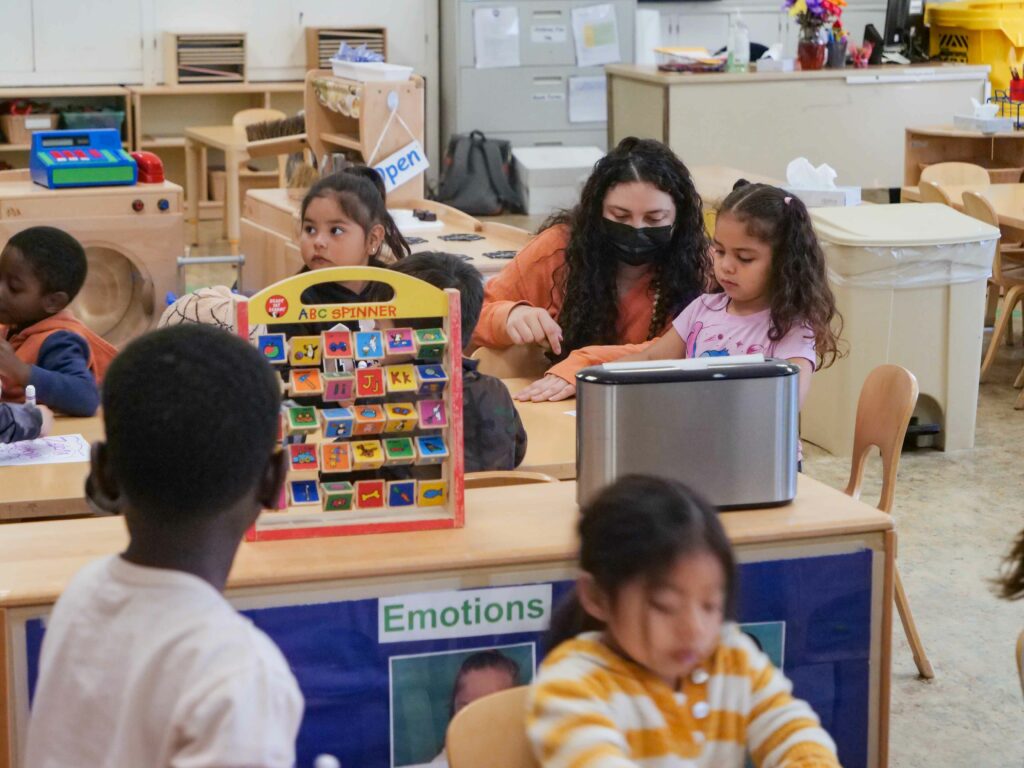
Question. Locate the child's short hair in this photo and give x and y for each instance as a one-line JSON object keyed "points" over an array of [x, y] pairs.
{"points": [[446, 270], [56, 258], [191, 415]]}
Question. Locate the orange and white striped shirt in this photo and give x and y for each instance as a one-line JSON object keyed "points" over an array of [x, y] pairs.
{"points": [[592, 708]]}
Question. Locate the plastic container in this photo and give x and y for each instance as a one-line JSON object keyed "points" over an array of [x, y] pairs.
{"points": [[550, 178], [86, 120], [371, 71], [909, 281], [740, 39], [977, 33]]}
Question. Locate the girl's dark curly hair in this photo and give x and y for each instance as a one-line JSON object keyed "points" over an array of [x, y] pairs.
{"points": [[798, 280], [590, 309]]}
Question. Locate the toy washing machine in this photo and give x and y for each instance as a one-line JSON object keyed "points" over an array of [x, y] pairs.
{"points": [[133, 236]]}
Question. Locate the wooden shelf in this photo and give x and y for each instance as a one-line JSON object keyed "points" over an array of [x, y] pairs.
{"points": [[162, 142], [15, 147], [341, 140], [219, 89]]}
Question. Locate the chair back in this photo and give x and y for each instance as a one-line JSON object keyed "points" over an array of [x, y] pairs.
{"points": [[247, 117], [492, 732], [520, 361], [933, 193], [498, 478], [955, 174], [886, 403]]}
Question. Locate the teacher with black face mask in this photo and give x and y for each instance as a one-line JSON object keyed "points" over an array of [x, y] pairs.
{"points": [[614, 270]]}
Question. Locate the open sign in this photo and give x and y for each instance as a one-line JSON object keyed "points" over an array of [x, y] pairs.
{"points": [[405, 164]]}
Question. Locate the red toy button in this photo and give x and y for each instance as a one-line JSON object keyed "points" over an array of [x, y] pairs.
{"points": [[138, 205], [95, 153]]}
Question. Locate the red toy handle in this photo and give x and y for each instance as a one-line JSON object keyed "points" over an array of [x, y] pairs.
{"points": [[151, 167]]}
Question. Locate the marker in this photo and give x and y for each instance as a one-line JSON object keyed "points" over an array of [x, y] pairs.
{"points": [[30, 395]]}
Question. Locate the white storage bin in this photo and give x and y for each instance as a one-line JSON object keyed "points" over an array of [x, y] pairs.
{"points": [[370, 71], [552, 177], [909, 281]]}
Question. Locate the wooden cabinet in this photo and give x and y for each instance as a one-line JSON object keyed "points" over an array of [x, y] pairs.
{"points": [[1002, 154]]}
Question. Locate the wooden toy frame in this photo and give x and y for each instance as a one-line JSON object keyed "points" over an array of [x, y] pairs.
{"points": [[281, 304]]}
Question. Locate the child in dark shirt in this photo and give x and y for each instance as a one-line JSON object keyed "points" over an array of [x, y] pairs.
{"points": [[41, 342], [494, 437]]}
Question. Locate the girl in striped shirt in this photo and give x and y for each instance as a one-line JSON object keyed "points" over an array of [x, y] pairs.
{"points": [[663, 678]]}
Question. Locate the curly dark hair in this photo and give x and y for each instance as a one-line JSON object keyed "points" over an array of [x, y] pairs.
{"points": [[590, 309], [798, 280], [1011, 580]]}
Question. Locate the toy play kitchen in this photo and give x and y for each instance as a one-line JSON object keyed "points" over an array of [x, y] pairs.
{"points": [[85, 183]]}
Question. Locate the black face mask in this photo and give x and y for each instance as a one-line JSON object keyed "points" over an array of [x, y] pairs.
{"points": [[634, 246]]}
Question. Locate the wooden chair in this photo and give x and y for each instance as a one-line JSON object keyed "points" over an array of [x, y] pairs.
{"points": [[248, 117], [1020, 659], [886, 403], [1007, 279], [955, 174], [514, 477], [933, 193], [520, 361], [491, 732]]}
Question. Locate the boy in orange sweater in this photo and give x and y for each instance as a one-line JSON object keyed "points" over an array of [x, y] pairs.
{"points": [[41, 342]]}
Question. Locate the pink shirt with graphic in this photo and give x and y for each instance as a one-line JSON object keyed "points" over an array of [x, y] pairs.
{"points": [[709, 331]]}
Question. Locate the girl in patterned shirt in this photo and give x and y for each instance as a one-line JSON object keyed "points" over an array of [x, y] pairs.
{"points": [[664, 678]]}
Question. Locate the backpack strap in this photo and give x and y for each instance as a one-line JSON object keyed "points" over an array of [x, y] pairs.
{"points": [[456, 174], [496, 172]]}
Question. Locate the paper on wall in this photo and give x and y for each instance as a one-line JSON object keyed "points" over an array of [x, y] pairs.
{"points": [[588, 99], [595, 31], [56, 449], [496, 37]]}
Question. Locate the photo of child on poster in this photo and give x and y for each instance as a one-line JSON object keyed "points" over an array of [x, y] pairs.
{"points": [[427, 691]]}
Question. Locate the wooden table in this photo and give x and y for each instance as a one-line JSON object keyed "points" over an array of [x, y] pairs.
{"points": [[853, 119], [55, 490], [270, 231], [233, 143], [550, 433], [823, 565], [49, 490], [1007, 199]]}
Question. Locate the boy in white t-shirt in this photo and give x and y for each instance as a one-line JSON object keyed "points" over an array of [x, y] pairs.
{"points": [[144, 662]]}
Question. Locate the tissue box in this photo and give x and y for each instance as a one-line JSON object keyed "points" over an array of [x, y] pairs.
{"points": [[774, 65], [828, 198], [983, 124]]}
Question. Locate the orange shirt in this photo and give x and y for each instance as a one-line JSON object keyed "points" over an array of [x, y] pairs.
{"points": [[530, 278]]}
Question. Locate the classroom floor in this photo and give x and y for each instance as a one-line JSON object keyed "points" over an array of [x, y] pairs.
{"points": [[956, 514]]}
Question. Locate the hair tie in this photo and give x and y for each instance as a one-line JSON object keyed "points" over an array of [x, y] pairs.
{"points": [[787, 200]]}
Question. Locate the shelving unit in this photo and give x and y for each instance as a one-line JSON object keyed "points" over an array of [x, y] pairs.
{"points": [[348, 116], [323, 42], [111, 97], [1002, 154], [162, 112], [204, 57]]}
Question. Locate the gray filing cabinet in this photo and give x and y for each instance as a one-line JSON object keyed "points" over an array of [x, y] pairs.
{"points": [[528, 104]]}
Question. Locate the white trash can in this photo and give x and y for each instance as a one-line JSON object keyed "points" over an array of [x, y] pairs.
{"points": [[909, 281]]}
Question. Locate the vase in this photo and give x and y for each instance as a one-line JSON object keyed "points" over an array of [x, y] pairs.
{"points": [[810, 51]]}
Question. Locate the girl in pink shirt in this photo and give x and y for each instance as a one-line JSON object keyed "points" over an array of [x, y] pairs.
{"points": [[775, 297]]}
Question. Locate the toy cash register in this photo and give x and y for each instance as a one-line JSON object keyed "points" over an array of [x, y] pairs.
{"points": [[91, 158]]}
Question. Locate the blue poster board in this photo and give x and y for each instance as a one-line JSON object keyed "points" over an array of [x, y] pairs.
{"points": [[812, 614]]}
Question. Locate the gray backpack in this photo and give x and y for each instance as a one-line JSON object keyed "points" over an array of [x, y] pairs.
{"points": [[478, 176]]}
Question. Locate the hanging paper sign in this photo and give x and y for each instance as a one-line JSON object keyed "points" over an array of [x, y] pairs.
{"points": [[405, 164]]}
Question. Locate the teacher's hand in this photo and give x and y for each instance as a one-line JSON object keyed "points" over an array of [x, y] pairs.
{"points": [[532, 325], [551, 387]]}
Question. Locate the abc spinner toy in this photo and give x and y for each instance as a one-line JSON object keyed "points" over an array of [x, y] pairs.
{"points": [[381, 448]]}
